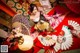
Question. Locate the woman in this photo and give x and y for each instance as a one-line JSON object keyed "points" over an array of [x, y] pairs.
{"points": [[34, 13]]}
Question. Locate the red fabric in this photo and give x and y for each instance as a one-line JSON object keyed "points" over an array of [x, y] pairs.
{"points": [[43, 33], [15, 47], [6, 43], [32, 29], [38, 46], [73, 5], [51, 12], [76, 44], [58, 9]]}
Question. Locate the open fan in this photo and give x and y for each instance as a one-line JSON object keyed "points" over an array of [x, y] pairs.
{"points": [[75, 25], [66, 40], [48, 40], [22, 27], [22, 21]]}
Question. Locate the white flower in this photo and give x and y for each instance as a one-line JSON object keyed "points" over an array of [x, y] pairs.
{"points": [[18, 6], [19, 12]]}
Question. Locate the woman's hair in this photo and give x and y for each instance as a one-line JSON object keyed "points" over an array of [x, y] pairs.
{"points": [[31, 8]]}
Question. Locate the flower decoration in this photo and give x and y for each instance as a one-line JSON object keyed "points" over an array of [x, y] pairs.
{"points": [[18, 6], [19, 12], [10, 3]]}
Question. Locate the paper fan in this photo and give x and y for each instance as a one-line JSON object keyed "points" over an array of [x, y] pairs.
{"points": [[66, 40], [47, 41], [22, 19], [57, 46], [74, 24], [26, 42], [24, 28]]}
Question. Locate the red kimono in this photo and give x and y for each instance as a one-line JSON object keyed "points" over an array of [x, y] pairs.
{"points": [[69, 16]]}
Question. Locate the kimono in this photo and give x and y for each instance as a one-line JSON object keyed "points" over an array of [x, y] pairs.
{"points": [[68, 18]]}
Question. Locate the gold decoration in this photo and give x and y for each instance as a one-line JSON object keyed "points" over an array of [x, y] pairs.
{"points": [[42, 25], [10, 3]]}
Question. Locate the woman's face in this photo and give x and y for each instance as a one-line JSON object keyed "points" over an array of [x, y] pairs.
{"points": [[34, 10], [60, 39]]}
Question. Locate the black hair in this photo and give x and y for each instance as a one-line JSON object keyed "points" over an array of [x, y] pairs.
{"points": [[31, 8], [57, 1]]}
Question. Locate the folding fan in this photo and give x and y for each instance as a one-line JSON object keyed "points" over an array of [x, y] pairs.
{"points": [[48, 40], [75, 25], [22, 24], [66, 40], [21, 20]]}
